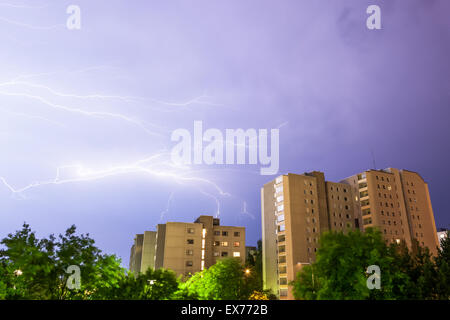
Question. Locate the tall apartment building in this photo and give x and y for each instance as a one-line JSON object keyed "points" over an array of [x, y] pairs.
{"points": [[398, 203], [296, 209], [187, 248], [142, 254], [136, 254]]}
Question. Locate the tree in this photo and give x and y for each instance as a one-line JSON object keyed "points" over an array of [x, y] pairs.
{"points": [[225, 280], [36, 268], [442, 261], [160, 284], [340, 268]]}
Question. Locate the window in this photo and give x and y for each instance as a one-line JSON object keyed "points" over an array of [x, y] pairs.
{"points": [[282, 259], [281, 227], [283, 281], [189, 263], [236, 254], [237, 234], [283, 293], [281, 249], [225, 233], [189, 252], [224, 243], [216, 254], [224, 254], [236, 244], [190, 241], [217, 233], [216, 243], [190, 230], [280, 218]]}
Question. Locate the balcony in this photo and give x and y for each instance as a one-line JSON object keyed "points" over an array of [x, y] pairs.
{"points": [[362, 185], [361, 176]]}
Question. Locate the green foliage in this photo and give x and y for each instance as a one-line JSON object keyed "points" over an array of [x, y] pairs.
{"points": [[43, 264], [158, 284], [225, 280], [342, 260]]}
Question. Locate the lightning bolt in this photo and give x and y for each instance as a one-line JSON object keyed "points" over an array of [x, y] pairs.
{"points": [[30, 26], [21, 6], [157, 165], [165, 211], [245, 211]]}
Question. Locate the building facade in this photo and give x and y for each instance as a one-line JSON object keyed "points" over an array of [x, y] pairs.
{"points": [[398, 203], [187, 248], [296, 209], [142, 254]]}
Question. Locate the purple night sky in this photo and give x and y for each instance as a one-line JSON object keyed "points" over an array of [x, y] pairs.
{"points": [[86, 115]]}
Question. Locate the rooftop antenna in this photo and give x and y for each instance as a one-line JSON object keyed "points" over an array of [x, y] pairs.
{"points": [[373, 159]]}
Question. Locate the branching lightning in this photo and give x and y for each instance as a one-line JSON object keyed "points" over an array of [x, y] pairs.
{"points": [[157, 165]]}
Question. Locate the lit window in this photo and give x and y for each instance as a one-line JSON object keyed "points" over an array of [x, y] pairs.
{"points": [[190, 230], [236, 244], [224, 243], [236, 254], [189, 252]]}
